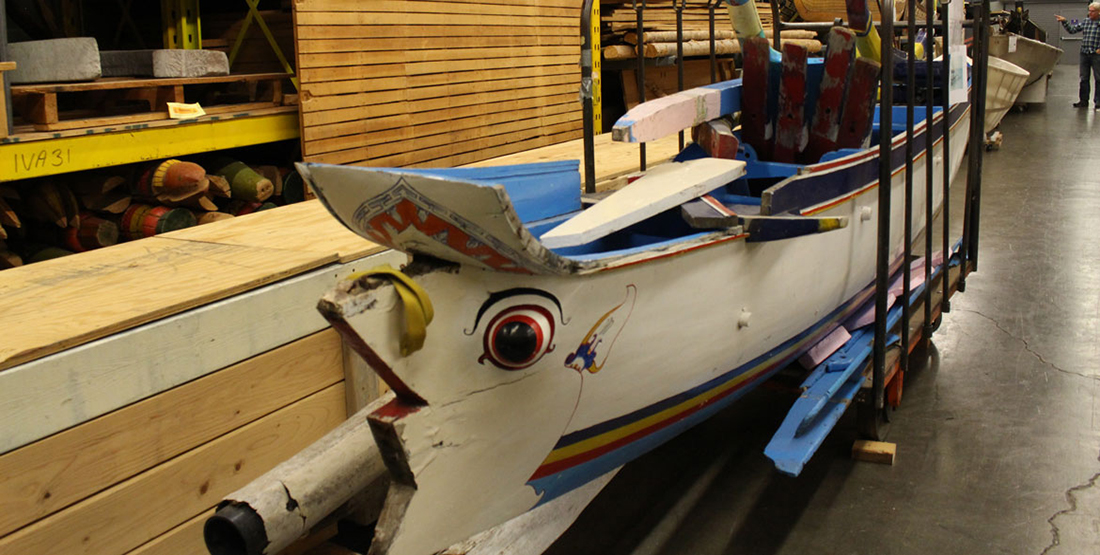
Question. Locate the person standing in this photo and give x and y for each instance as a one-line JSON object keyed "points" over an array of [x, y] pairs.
{"points": [[1090, 53]]}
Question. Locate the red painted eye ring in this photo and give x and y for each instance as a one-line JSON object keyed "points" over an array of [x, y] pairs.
{"points": [[538, 321]]}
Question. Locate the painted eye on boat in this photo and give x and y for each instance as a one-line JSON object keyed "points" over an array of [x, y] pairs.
{"points": [[518, 337]]}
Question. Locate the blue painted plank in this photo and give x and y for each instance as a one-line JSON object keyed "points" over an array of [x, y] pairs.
{"points": [[537, 191]]}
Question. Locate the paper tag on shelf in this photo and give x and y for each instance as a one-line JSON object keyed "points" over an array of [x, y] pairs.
{"points": [[178, 110], [1011, 43]]}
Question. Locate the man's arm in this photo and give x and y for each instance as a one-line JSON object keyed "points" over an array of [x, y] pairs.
{"points": [[1069, 27]]}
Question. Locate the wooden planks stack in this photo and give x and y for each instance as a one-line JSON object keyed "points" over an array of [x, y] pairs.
{"points": [[136, 390], [660, 15], [425, 83]]}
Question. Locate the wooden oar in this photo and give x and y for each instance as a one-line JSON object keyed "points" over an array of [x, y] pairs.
{"points": [[664, 116], [662, 188]]}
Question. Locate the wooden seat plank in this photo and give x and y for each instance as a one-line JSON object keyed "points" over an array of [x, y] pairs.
{"points": [[661, 188]]}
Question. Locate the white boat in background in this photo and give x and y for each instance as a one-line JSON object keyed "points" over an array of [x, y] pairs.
{"points": [[1004, 83], [1035, 57]]}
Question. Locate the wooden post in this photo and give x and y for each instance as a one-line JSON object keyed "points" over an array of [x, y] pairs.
{"points": [[5, 88], [5, 112]]}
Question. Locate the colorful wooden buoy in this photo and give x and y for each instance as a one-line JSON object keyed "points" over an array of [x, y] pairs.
{"points": [[92, 233], [143, 220], [240, 207], [245, 182]]}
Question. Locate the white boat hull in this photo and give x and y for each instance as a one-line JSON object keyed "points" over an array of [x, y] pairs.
{"points": [[629, 354]]}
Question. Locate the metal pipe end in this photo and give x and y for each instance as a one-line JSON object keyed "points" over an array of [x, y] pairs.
{"points": [[235, 529]]}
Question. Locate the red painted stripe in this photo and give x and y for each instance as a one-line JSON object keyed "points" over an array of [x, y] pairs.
{"points": [[721, 208]]}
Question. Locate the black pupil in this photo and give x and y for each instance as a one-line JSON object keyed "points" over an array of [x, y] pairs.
{"points": [[516, 341]]}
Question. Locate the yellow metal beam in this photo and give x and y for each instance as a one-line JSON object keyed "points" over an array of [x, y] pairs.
{"points": [[22, 160], [597, 82], [182, 24]]}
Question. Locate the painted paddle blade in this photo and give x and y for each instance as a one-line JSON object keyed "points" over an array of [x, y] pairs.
{"points": [[756, 126], [834, 83], [858, 114], [790, 128], [662, 188]]}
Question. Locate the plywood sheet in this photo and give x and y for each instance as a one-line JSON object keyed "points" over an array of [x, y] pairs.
{"points": [[61, 303]]}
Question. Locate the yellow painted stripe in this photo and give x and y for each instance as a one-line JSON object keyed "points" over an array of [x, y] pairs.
{"points": [[22, 160]]}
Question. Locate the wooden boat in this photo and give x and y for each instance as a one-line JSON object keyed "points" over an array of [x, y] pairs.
{"points": [[1005, 82], [533, 345], [544, 368], [1033, 56]]}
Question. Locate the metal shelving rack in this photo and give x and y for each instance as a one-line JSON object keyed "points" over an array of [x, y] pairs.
{"points": [[44, 154]]}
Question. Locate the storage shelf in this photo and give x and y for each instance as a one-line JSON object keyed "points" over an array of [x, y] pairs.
{"points": [[42, 154]]}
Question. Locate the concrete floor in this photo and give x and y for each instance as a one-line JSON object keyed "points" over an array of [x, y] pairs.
{"points": [[998, 438]]}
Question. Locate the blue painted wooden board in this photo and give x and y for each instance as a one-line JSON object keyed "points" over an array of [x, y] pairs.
{"points": [[537, 191]]}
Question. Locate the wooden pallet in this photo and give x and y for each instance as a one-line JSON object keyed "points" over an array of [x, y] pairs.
{"points": [[38, 104]]}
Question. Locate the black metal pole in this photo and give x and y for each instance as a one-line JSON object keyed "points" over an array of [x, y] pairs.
{"points": [[713, 49], [976, 200], [775, 25], [929, 173], [885, 166], [945, 11], [640, 72], [910, 114], [587, 108], [977, 135], [679, 7]]}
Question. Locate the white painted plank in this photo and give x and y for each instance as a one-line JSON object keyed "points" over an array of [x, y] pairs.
{"points": [[664, 187], [56, 392]]}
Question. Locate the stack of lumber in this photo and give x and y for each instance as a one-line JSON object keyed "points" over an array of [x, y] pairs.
{"points": [[828, 10], [58, 216], [659, 44], [425, 83], [660, 15]]}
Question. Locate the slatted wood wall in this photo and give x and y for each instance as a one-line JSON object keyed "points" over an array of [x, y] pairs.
{"points": [[433, 83]]}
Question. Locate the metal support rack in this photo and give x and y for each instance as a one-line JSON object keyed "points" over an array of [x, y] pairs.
{"points": [[921, 314]]}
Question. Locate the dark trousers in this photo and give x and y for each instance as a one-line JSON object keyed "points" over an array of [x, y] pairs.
{"points": [[1090, 63]]}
